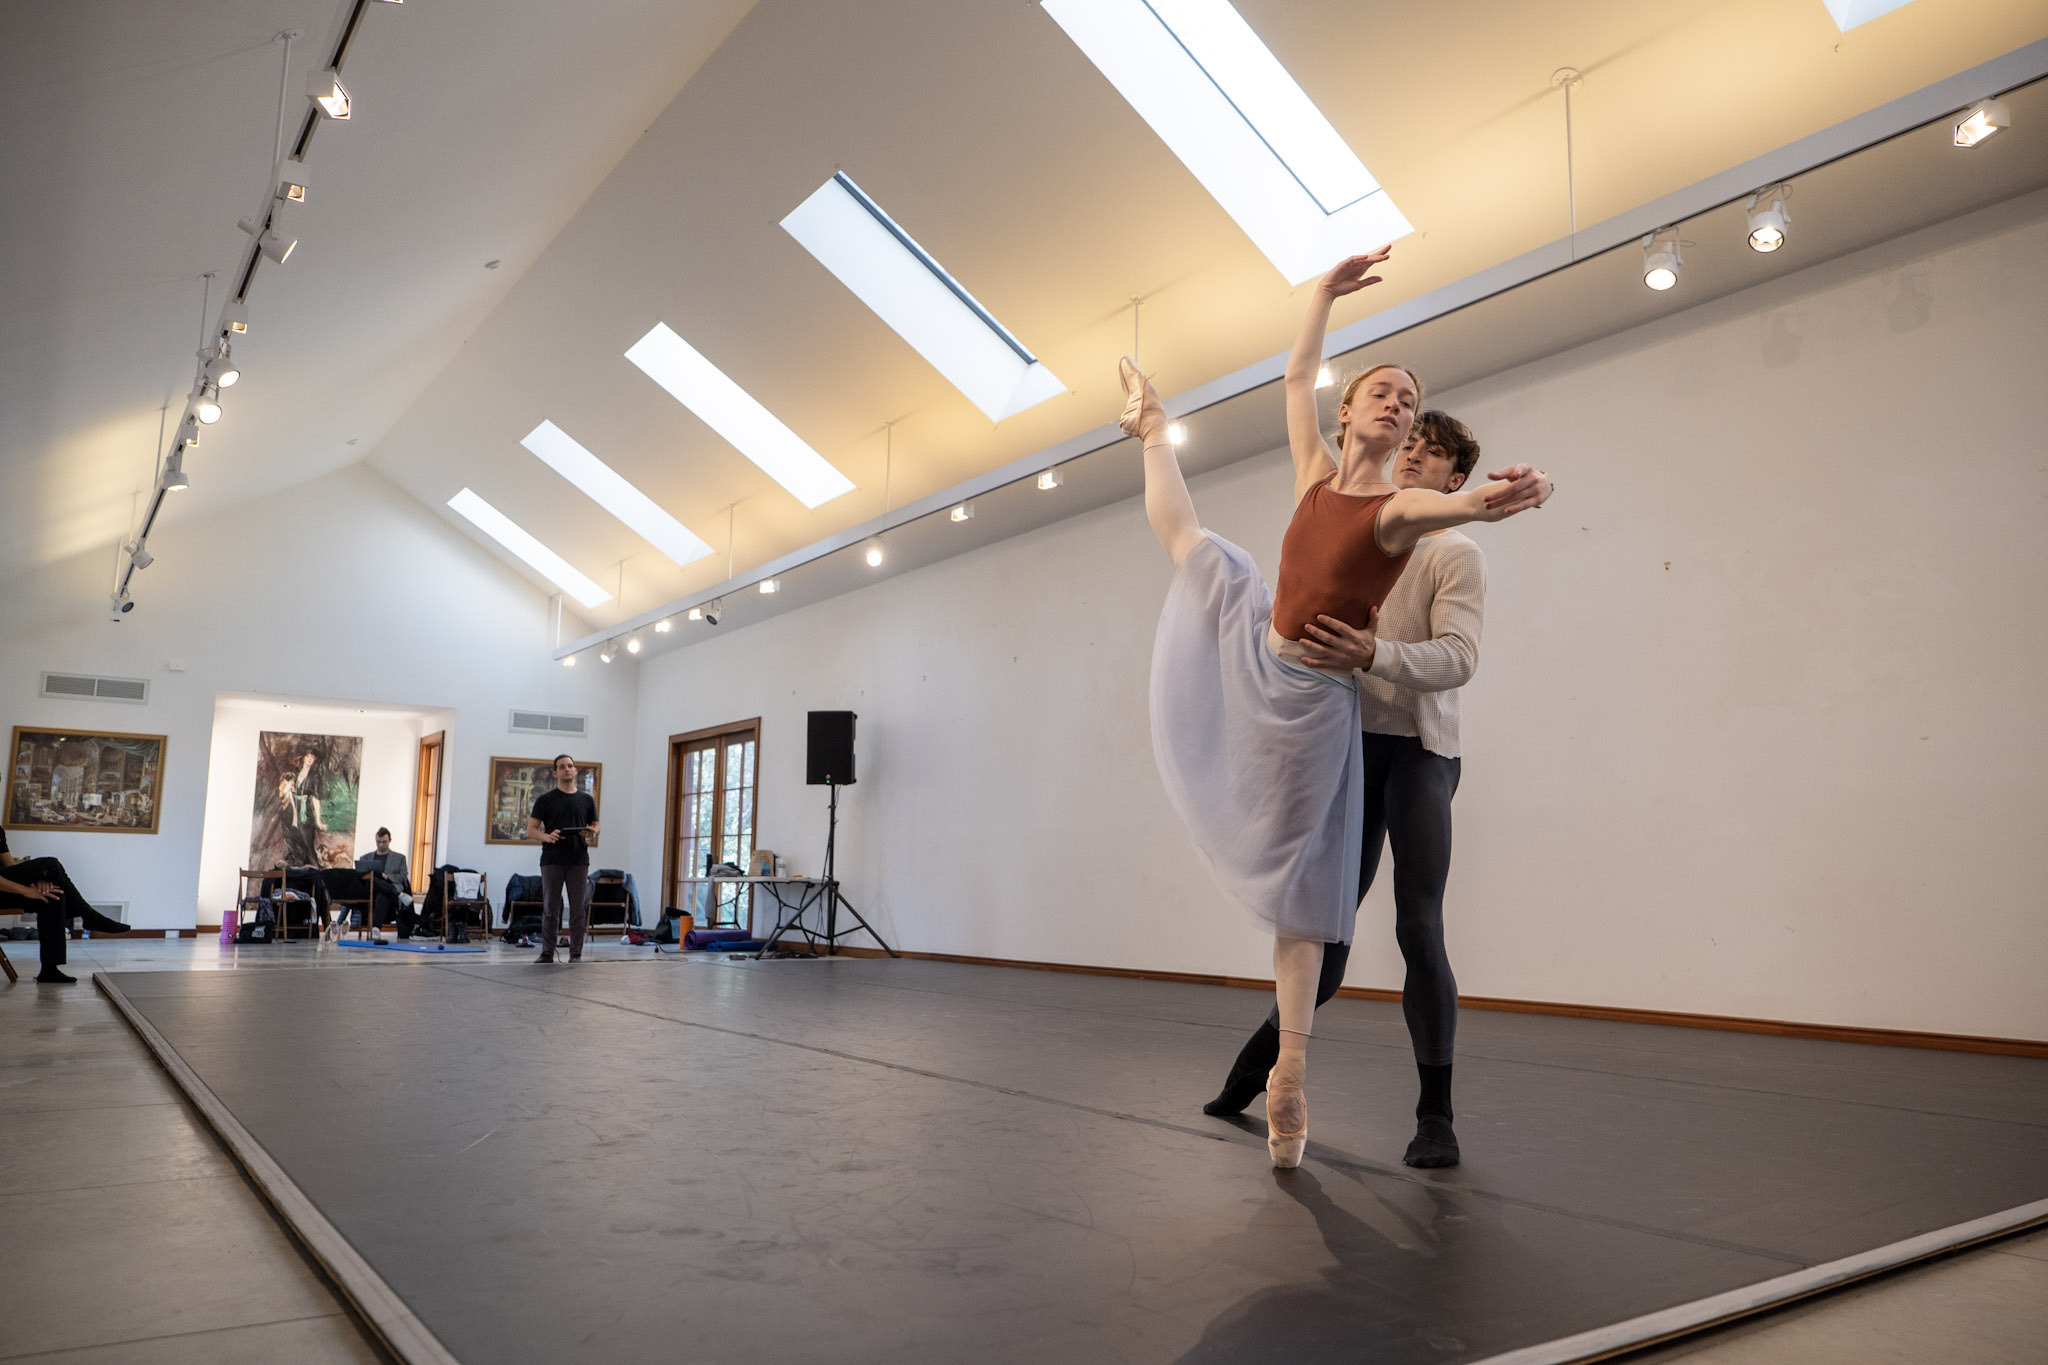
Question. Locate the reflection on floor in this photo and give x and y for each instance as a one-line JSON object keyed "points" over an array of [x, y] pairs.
{"points": [[880, 1066]]}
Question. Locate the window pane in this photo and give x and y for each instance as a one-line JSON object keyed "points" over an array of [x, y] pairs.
{"points": [[748, 780]]}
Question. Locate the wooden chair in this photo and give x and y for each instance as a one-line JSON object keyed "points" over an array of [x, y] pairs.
{"points": [[8, 967], [608, 894], [478, 905], [350, 889]]}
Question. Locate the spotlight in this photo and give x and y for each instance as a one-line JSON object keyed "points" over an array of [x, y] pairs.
{"points": [[174, 473], [695, 614], [188, 434], [277, 248], [325, 89], [234, 319], [1050, 479], [1767, 225], [662, 627], [633, 645], [964, 512], [139, 555], [713, 612], [1324, 378], [292, 190], [875, 555], [219, 368], [569, 662], [206, 404], [1177, 432], [607, 654], [769, 585], [1980, 121], [1662, 259], [119, 605]]}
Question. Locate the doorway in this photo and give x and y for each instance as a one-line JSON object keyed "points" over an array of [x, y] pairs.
{"points": [[711, 782], [426, 808]]}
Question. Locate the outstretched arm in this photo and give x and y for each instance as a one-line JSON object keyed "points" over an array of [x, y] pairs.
{"points": [[1313, 458], [1413, 513]]}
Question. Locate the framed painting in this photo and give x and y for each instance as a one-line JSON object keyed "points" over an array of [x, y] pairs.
{"points": [[84, 780], [304, 812], [515, 782]]}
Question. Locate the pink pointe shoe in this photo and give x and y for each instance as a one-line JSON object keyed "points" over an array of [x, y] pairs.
{"points": [[1286, 1118], [1138, 397]]}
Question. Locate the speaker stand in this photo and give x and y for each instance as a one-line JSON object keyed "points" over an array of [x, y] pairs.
{"points": [[830, 894]]}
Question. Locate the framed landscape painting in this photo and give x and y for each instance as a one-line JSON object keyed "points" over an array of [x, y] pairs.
{"points": [[84, 780], [515, 782]]}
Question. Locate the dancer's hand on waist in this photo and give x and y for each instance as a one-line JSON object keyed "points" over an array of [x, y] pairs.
{"points": [[1331, 644]]}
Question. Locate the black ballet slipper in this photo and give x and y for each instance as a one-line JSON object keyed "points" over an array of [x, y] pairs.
{"points": [[50, 976], [1236, 1097], [1435, 1144]]}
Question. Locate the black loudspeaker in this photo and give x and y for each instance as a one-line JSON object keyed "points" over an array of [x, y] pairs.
{"points": [[829, 758]]}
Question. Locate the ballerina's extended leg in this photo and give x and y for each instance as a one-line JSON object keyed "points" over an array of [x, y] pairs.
{"points": [[1167, 504]]}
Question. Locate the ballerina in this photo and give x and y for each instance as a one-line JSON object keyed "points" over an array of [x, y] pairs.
{"points": [[1259, 750]]}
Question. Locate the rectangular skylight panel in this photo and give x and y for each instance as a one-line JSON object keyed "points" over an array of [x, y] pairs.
{"points": [[1220, 100], [537, 556], [562, 453], [888, 271], [731, 411]]}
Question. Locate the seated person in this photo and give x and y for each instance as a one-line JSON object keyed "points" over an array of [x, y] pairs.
{"points": [[392, 887], [42, 884]]}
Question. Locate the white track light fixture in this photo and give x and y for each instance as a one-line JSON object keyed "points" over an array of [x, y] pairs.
{"points": [[1324, 378], [175, 480], [769, 585], [218, 366], [234, 319], [119, 605], [607, 654], [569, 662], [278, 248], [139, 556], [663, 626], [964, 512], [1662, 259], [694, 614], [206, 404], [1177, 432], [633, 645], [292, 190], [325, 89], [1768, 218], [1980, 121], [874, 555], [1050, 479]]}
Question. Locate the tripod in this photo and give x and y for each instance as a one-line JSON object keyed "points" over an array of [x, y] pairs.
{"points": [[828, 892]]}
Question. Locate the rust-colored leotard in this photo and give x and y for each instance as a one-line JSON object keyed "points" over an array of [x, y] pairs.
{"points": [[1331, 563]]}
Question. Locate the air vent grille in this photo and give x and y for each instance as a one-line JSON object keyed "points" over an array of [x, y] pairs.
{"points": [[548, 723], [86, 686]]}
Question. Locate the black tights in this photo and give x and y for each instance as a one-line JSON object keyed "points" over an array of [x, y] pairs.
{"points": [[53, 918], [1408, 793]]}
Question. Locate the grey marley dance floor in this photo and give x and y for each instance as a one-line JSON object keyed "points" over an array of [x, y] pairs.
{"points": [[863, 1160]]}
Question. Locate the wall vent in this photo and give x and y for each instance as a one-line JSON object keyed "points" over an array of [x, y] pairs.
{"points": [[95, 689], [547, 723]]}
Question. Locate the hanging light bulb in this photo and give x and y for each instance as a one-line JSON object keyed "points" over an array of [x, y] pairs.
{"points": [[1662, 259], [1767, 224]]}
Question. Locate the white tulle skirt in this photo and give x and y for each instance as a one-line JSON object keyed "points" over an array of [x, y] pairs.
{"points": [[1262, 758]]}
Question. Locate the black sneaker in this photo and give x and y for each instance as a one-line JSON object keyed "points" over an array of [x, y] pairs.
{"points": [[544, 957]]}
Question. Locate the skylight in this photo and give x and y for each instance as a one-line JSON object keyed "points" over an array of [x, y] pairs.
{"points": [[562, 453], [889, 272], [1849, 13], [731, 411], [537, 556], [1224, 105]]}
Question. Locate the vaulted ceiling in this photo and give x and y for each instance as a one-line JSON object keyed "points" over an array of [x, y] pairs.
{"points": [[629, 161]]}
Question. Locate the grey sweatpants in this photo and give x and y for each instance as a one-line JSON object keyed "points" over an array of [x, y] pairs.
{"points": [[556, 878]]}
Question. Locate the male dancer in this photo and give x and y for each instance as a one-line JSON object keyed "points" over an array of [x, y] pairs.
{"points": [[42, 884], [391, 895], [560, 820], [1422, 646]]}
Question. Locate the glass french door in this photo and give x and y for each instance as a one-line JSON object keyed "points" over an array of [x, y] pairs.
{"points": [[711, 820], [426, 809]]}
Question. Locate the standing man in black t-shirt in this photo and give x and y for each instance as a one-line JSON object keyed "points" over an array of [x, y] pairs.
{"points": [[561, 820]]}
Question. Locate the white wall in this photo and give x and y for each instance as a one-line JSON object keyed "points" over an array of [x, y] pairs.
{"points": [[1754, 732], [343, 590]]}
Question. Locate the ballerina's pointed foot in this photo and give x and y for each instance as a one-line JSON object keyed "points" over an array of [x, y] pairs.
{"points": [[1286, 1117], [1142, 408]]}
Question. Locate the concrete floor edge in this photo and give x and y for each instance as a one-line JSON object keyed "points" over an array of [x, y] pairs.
{"points": [[374, 1301]]}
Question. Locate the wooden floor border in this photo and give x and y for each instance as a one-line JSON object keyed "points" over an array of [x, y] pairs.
{"points": [[1729, 1023]]}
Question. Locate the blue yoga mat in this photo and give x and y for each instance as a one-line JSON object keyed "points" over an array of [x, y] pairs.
{"points": [[407, 947]]}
